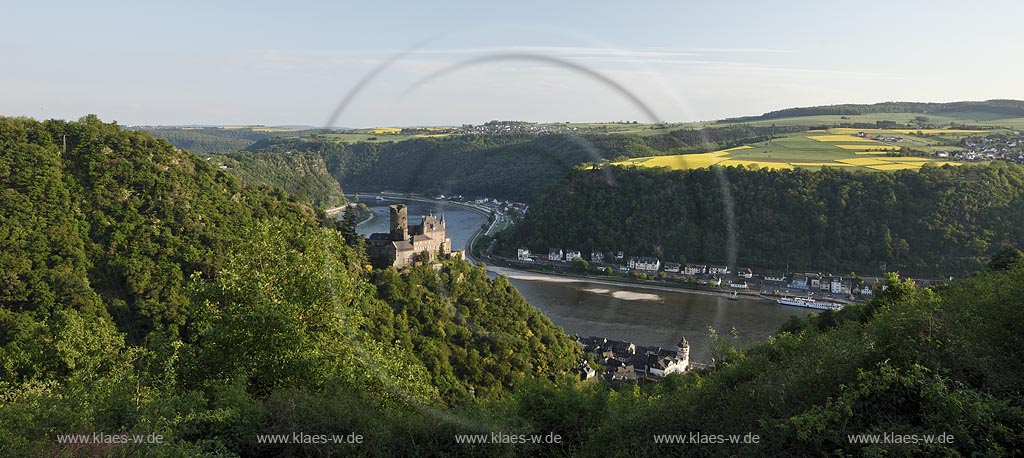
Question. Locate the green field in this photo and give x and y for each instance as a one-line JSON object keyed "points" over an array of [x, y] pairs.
{"points": [[819, 148], [364, 135]]}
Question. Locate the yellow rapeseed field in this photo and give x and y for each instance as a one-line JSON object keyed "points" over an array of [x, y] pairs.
{"points": [[904, 159], [863, 161], [839, 138], [862, 146], [755, 164], [385, 130], [683, 161]]}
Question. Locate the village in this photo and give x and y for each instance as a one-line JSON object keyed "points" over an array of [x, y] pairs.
{"points": [[994, 147], [716, 276], [626, 362]]}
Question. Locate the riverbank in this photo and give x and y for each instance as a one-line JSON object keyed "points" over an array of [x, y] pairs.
{"points": [[335, 210], [521, 274], [465, 205]]}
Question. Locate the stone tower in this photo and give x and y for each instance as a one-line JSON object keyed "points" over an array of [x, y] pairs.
{"points": [[399, 222], [683, 347]]}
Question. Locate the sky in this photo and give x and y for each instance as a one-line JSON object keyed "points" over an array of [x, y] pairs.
{"points": [[451, 63]]}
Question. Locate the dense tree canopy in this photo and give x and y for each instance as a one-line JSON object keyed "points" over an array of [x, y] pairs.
{"points": [[303, 175], [511, 166], [145, 291], [939, 221]]}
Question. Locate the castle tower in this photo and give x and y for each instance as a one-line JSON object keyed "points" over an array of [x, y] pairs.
{"points": [[399, 222]]}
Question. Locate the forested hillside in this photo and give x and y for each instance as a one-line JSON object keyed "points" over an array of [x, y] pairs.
{"points": [[1010, 108], [939, 221], [511, 166], [303, 175], [146, 291], [911, 362], [218, 139]]}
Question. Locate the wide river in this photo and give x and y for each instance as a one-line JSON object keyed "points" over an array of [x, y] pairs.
{"points": [[640, 315]]}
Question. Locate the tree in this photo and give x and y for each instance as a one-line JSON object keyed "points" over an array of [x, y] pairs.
{"points": [[580, 265], [347, 226], [1005, 258]]}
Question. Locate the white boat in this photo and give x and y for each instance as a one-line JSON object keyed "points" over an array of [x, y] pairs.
{"points": [[380, 198], [809, 303]]}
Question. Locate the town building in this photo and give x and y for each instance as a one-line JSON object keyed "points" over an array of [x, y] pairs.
{"points": [[572, 255], [524, 255], [672, 267], [645, 264], [695, 269], [586, 372], [596, 256], [555, 254], [718, 270]]}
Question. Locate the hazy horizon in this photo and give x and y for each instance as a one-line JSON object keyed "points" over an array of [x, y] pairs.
{"points": [[271, 64]]}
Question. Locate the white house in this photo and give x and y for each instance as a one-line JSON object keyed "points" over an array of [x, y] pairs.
{"points": [[555, 254], [646, 264], [718, 270], [571, 255], [524, 255], [694, 269], [665, 366], [596, 256], [672, 267], [586, 372], [838, 286]]}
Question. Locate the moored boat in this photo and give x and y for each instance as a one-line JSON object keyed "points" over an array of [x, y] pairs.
{"points": [[809, 303]]}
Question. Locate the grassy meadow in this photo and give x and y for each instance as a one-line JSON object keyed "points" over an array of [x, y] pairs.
{"points": [[821, 148]]}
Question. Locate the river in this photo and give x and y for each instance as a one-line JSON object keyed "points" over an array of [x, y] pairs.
{"points": [[640, 315]]}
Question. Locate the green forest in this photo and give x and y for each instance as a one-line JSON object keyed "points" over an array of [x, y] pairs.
{"points": [[1009, 108], [303, 175], [939, 221], [147, 291], [508, 166]]}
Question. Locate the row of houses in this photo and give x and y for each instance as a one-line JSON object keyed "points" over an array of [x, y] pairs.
{"points": [[625, 361], [825, 283], [641, 263], [717, 275]]}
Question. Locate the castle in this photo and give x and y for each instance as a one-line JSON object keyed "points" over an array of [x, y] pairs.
{"points": [[405, 244]]}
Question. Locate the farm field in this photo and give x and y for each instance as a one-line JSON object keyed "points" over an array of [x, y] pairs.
{"points": [[810, 149]]}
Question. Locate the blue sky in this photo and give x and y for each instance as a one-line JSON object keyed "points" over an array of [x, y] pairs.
{"points": [[279, 63]]}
